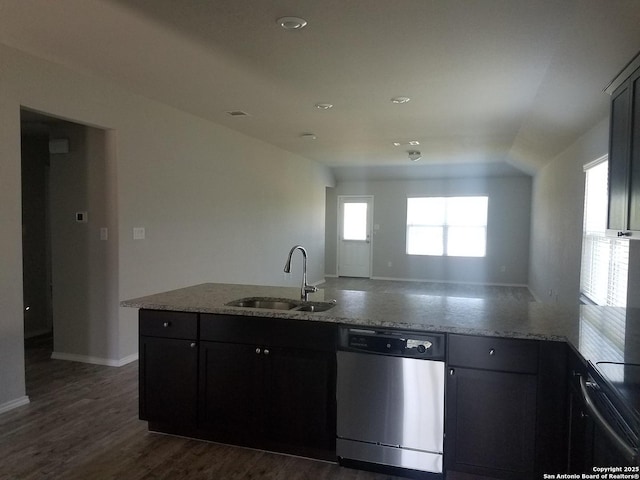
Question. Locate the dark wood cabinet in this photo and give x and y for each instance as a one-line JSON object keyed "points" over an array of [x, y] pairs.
{"points": [[301, 388], [168, 387], [491, 422], [506, 415], [624, 159], [232, 398], [491, 406], [269, 393], [252, 381]]}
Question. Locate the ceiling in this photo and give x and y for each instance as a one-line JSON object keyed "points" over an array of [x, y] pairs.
{"points": [[497, 87]]}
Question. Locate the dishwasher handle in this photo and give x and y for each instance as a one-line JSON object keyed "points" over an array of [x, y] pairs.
{"points": [[630, 453]]}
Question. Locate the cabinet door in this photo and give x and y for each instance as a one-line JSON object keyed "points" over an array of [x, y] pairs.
{"points": [[634, 187], [301, 398], [491, 423], [231, 391], [619, 136], [168, 380]]}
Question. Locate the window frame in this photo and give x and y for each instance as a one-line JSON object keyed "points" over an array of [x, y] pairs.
{"points": [[601, 253]]}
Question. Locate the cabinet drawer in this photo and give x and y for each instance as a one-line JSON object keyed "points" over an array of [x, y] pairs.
{"points": [[490, 353], [275, 332], [160, 323]]}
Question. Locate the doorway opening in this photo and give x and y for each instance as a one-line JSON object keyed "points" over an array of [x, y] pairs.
{"points": [[68, 218]]}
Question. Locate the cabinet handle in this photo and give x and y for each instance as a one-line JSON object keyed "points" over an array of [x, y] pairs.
{"points": [[492, 352], [266, 351], [451, 372], [193, 345], [166, 324], [624, 234], [258, 351]]}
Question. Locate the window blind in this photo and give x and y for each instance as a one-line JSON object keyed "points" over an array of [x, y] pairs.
{"points": [[605, 261]]}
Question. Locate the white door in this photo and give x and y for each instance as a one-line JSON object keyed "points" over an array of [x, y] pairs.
{"points": [[354, 236]]}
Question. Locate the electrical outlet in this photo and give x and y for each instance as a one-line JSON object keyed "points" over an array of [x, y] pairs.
{"points": [[104, 233]]}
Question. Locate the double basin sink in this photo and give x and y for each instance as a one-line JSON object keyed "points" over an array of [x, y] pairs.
{"points": [[281, 304]]}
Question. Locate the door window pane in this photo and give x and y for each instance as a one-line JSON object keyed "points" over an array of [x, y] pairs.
{"points": [[355, 221]]}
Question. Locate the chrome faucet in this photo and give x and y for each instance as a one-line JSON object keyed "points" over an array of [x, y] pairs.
{"points": [[305, 289]]}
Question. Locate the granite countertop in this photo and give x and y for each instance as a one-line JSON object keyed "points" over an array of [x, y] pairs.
{"points": [[597, 333]]}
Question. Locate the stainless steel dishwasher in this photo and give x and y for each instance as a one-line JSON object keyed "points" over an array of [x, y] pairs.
{"points": [[390, 399]]}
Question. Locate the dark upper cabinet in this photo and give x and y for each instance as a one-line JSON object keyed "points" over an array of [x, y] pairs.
{"points": [[624, 159]]}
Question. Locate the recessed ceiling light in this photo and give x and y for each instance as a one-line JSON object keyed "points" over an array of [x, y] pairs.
{"points": [[237, 113], [396, 144], [291, 23], [413, 143], [399, 100], [308, 136], [324, 106]]}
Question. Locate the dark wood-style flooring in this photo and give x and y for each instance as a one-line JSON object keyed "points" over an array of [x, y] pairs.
{"points": [[82, 423]]}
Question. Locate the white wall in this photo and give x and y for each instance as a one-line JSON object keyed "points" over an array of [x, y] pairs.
{"points": [[507, 229], [557, 214], [217, 205]]}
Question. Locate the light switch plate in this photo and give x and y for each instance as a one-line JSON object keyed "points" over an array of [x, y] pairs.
{"points": [[138, 233]]}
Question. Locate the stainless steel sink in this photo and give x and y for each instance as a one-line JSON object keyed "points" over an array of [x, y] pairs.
{"points": [[281, 304], [271, 303], [315, 307]]}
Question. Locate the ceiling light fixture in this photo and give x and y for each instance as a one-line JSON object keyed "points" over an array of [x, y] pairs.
{"points": [[414, 155], [309, 136], [324, 106], [291, 23], [400, 100], [413, 143], [396, 144], [237, 113]]}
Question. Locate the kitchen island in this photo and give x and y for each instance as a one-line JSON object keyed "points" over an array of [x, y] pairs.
{"points": [[588, 329], [526, 382]]}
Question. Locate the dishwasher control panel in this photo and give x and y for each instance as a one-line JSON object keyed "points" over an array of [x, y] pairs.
{"points": [[393, 342]]}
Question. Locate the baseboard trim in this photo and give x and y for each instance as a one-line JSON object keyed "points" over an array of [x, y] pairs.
{"points": [[453, 282], [535, 297], [109, 362], [37, 333], [15, 403]]}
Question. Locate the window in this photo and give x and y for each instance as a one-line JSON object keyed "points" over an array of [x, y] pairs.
{"points": [[354, 225], [603, 276], [447, 226]]}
